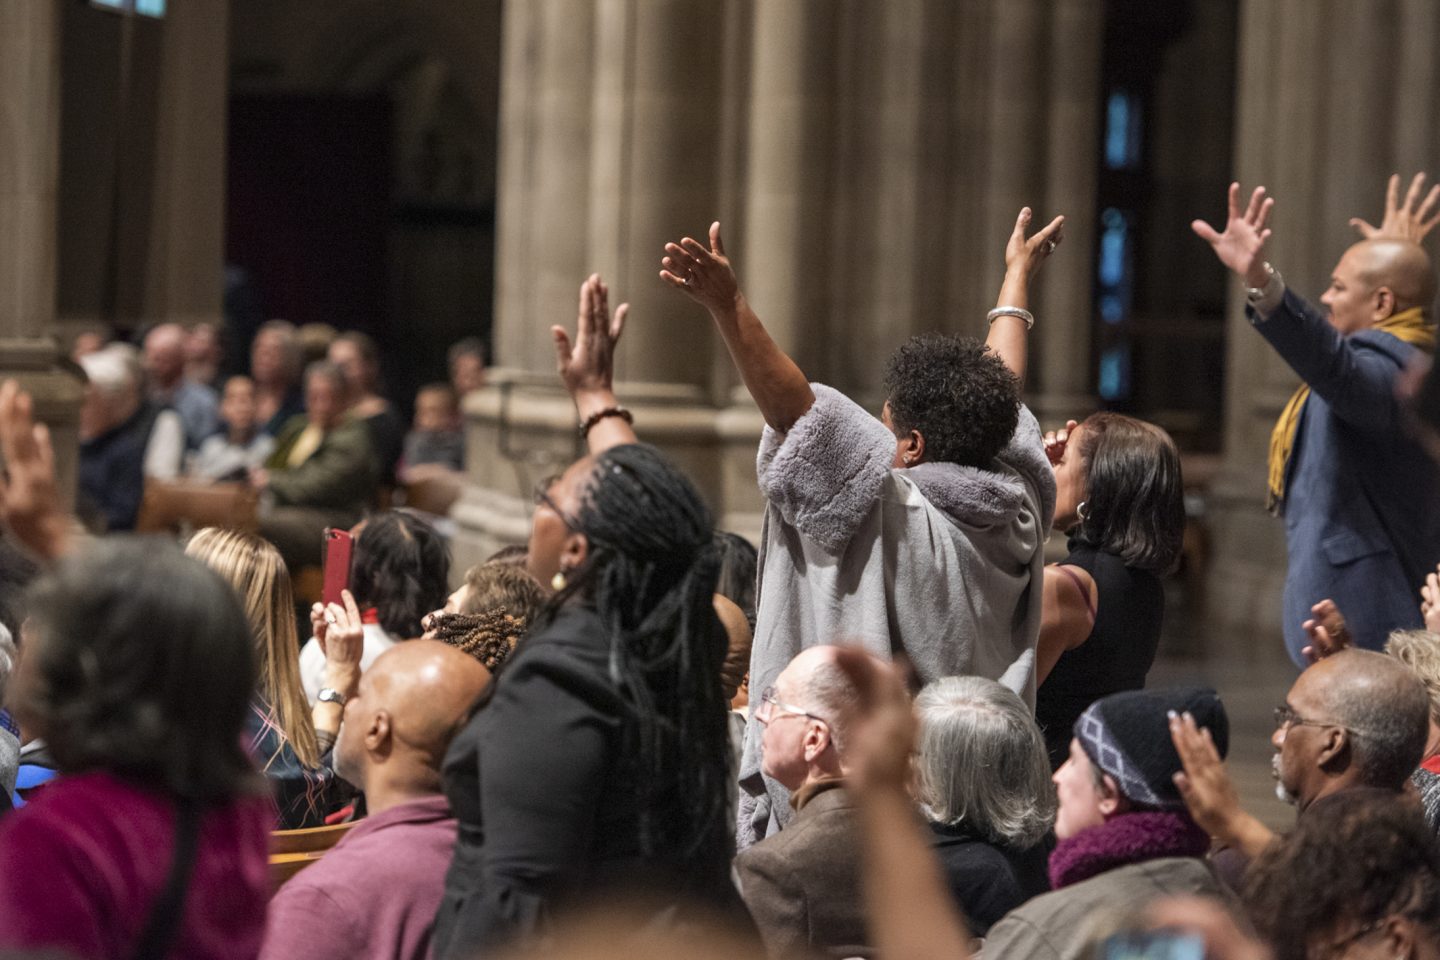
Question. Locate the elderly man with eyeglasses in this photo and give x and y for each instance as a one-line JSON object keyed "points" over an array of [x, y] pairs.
{"points": [[1354, 719], [802, 885]]}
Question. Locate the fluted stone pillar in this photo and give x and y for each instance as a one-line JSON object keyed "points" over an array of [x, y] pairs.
{"points": [[1322, 140], [29, 169], [867, 160]]}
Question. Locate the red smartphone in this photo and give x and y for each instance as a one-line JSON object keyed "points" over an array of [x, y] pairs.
{"points": [[338, 547]]}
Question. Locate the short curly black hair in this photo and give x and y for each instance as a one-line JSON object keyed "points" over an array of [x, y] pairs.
{"points": [[1355, 858], [960, 396]]}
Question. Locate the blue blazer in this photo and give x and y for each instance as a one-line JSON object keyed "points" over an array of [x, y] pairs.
{"points": [[1362, 499]]}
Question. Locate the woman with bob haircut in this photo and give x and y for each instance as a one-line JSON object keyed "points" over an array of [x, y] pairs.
{"points": [[280, 729], [138, 672], [598, 766], [1120, 499], [983, 780], [399, 572]]}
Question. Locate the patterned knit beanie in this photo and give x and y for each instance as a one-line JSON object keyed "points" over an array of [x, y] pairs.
{"points": [[1127, 735]]}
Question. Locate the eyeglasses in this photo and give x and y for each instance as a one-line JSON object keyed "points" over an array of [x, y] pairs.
{"points": [[542, 498], [769, 704], [1285, 716]]}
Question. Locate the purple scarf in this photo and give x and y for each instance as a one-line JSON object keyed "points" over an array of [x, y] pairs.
{"points": [[1129, 838]]}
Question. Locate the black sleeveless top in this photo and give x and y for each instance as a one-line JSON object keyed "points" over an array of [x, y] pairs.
{"points": [[1117, 654]]}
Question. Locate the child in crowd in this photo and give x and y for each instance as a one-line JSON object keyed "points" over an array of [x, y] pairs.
{"points": [[241, 446], [436, 437]]}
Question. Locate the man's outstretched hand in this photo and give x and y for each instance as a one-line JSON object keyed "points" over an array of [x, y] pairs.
{"points": [[1411, 220], [704, 275], [1241, 247]]}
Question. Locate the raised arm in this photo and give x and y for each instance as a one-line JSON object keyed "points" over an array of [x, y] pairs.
{"points": [[587, 366], [1410, 220], [1009, 332], [29, 494], [775, 382], [1241, 246]]}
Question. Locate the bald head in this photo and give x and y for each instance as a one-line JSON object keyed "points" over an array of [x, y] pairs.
{"points": [[165, 354], [819, 685], [1384, 706], [411, 701], [1401, 266]]}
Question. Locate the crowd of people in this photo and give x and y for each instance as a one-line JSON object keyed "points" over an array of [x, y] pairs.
{"points": [[893, 730]]}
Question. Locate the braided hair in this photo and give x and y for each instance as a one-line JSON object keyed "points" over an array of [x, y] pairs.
{"points": [[651, 571], [489, 636]]}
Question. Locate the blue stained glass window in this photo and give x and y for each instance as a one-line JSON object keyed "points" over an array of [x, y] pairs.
{"points": [[1122, 131], [1115, 372], [1114, 247], [150, 8], [1112, 308]]}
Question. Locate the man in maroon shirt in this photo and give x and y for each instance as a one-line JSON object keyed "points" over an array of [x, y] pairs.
{"points": [[376, 893]]}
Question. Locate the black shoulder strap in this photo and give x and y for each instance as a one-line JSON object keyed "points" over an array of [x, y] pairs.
{"points": [[164, 920]]}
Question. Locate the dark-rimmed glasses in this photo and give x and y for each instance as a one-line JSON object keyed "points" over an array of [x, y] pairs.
{"points": [[1286, 717], [542, 498]]}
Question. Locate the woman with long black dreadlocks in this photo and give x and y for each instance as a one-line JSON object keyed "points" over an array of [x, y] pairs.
{"points": [[598, 766]]}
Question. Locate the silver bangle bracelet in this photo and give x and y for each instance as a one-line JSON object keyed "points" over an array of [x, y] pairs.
{"points": [[1020, 312]]}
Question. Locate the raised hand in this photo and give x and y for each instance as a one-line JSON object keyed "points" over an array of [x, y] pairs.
{"points": [[1057, 440], [1430, 601], [588, 363], [705, 276], [882, 727], [1205, 783], [1327, 631], [342, 638], [29, 494], [1024, 255], [1241, 247], [1412, 220]]}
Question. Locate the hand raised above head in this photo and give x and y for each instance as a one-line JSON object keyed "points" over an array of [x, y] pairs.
{"points": [[1326, 630], [704, 275], [29, 493], [1025, 254], [1205, 784], [1241, 247], [1057, 440], [588, 362], [1410, 220], [882, 723]]}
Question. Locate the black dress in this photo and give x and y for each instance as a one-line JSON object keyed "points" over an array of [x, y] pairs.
{"points": [[987, 879], [1117, 654], [541, 786]]}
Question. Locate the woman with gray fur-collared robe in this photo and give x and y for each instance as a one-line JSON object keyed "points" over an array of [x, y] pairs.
{"points": [[935, 561]]}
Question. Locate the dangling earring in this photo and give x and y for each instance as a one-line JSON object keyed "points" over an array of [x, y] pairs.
{"points": [[1080, 510], [557, 582]]}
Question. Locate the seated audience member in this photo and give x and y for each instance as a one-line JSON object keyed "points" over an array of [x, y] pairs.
{"points": [[1359, 877], [436, 439], [488, 637], [802, 885], [240, 446], [288, 742], [358, 356], [490, 613], [376, 892], [276, 362], [399, 570], [983, 781], [597, 769], [123, 439], [1124, 834], [89, 341], [138, 672], [321, 474], [1420, 651], [197, 405], [468, 359], [204, 355], [1355, 719], [1120, 499], [9, 732], [921, 531], [315, 340]]}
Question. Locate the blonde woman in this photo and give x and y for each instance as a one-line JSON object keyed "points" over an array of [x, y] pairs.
{"points": [[288, 740]]}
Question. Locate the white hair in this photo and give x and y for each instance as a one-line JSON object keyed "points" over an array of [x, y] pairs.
{"points": [[8, 652], [981, 761], [114, 370]]}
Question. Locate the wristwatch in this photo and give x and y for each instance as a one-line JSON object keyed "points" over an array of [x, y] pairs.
{"points": [[1256, 294], [330, 695]]}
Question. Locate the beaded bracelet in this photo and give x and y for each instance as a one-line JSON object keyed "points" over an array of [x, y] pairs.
{"points": [[599, 415]]}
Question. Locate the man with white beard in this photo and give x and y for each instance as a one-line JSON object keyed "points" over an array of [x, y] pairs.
{"points": [[1354, 720]]}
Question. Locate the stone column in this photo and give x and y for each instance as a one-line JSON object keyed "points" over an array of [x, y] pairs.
{"points": [[1323, 141], [185, 240], [29, 168]]}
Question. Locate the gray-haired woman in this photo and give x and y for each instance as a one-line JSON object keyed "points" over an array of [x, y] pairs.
{"points": [[983, 778]]}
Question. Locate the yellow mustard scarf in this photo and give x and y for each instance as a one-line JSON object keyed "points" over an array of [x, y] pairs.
{"points": [[1410, 326]]}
